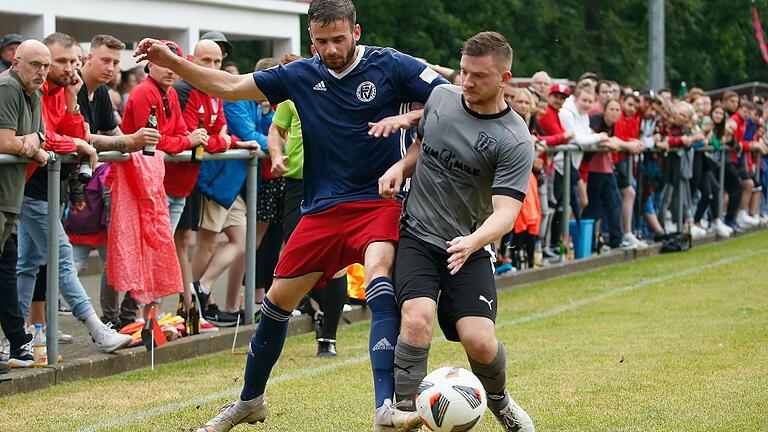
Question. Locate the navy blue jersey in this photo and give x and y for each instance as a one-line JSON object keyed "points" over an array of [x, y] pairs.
{"points": [[342, 162]]}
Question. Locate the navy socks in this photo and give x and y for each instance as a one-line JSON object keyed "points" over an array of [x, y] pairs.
{"points": [[264, 349], [385, 326]]}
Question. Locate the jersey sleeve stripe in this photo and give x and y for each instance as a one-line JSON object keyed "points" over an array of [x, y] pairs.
{"points": [[514, 193]]}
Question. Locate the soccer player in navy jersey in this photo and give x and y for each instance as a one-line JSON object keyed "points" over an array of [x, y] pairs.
{"points": [[351, 101]]}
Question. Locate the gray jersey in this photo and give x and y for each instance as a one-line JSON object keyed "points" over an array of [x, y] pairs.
{"points": [[465, 158]]}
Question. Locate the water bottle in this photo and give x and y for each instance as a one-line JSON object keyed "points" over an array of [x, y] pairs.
{"points": [[39, 348], [538, 255], [571, 251]]}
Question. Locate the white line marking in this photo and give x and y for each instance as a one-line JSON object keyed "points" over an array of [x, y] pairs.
{"points": [[311, 371]]}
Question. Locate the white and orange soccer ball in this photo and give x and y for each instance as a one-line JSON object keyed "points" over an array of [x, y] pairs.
{"points": [[451, 399]]}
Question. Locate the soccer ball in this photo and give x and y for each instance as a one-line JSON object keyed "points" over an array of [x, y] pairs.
{"points": [[451, 399]]}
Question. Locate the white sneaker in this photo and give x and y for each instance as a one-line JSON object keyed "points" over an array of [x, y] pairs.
{"points": [[722, 230], [631, 239], [108, 340], [388, 418], [698, 232], [513, 418], [764, 219], [745, 219], [235, 413]]}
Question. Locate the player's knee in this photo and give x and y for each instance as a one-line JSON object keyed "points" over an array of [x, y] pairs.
{"points": [[416, 323], [481, 348]]}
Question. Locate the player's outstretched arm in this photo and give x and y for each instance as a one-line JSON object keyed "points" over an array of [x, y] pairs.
{"points": [[500, 222], [392, 180], [213, 82]]}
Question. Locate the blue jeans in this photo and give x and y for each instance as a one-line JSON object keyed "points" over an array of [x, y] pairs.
{"points": [[605, 204], [175, 208], [33, 252]]}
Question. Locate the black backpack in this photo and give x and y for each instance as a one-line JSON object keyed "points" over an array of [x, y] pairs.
{"points": [[676, 242]]}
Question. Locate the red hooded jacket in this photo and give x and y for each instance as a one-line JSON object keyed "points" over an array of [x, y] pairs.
{"points": [[179, 177]]}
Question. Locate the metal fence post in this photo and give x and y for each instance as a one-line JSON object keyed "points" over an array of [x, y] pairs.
{"points": [[566, 198], [680, 185], [52, 296], [721, 179], [250, 244], [631, 179]]}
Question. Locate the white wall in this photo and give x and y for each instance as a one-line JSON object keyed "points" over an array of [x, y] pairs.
{"points": [[180, 20]]}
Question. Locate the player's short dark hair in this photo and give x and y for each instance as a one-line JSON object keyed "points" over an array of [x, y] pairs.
{"points": [[326, 12], [109, 41], [62, 39], [490, 43]]}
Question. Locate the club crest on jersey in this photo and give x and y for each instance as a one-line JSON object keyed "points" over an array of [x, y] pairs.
{"points": [[366, 91], [483, 141]]}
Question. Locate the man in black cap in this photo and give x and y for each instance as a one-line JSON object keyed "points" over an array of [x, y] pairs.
{"points": [[219, 38], [8, 45], [590, 76]]}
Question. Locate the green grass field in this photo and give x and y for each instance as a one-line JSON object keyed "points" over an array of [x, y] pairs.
{"points": [[671, 343]]}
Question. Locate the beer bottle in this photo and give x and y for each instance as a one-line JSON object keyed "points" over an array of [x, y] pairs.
{"points": [[149, 149], [199, 151], [193, 318]]}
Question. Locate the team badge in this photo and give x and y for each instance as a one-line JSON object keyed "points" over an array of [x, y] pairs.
{"points": [[366, 91], [483, 141]]}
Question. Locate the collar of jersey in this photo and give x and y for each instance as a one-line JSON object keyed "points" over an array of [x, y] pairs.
{"points": [[484, 116], [360, 53]]}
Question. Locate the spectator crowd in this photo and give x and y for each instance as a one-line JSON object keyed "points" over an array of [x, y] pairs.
{"points": [[639, 156]]}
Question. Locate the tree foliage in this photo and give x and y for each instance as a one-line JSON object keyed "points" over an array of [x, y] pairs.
{"points": [[709, 43]]}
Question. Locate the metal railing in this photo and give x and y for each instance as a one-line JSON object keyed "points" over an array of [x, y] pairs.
{"points": [[54, 195], [568, 149]]}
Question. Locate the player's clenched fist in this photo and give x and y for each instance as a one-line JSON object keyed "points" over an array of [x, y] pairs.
{"points": [[390, 182]]}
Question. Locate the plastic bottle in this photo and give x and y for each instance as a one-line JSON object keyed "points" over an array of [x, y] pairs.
{"points": [[538, 255], [571, 252], [39, 348]]}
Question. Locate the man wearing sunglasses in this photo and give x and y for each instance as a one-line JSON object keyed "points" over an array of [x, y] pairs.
{"points": [[64, 133], [21, 129]]}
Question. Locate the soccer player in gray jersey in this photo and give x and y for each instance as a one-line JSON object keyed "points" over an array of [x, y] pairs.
{"points": [[470, 170]]}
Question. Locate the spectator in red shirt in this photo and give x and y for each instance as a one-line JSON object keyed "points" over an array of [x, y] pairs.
{"points": [[197, 106], [157, 91]]}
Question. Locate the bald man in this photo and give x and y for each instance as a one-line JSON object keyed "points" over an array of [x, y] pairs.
{"points": [[22, 133], [210, 260], [541, 81]]}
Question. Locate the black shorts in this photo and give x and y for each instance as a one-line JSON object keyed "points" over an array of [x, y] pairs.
{"points": [[622, 180], [193, 209], [293, 195], [421, 270]]}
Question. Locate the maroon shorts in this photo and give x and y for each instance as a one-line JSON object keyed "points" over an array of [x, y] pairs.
{"points": [[332, 239]]}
